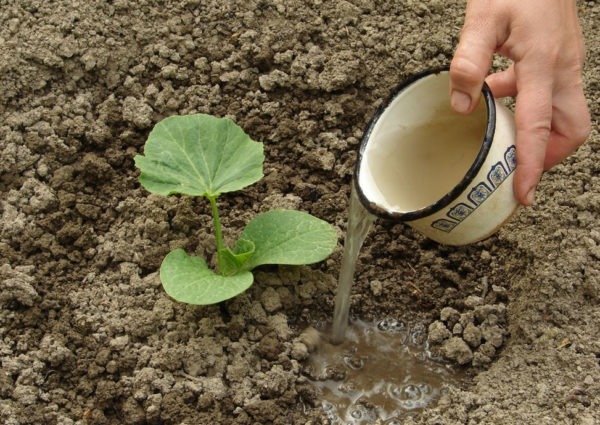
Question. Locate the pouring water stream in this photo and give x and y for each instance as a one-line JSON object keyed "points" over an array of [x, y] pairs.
{"points": [[359, 223]]}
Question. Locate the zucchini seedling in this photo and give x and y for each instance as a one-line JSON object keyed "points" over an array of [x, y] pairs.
{"points": [[201, 155]]}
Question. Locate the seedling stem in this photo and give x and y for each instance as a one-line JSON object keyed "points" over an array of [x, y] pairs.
{"points": [[218, 235]]}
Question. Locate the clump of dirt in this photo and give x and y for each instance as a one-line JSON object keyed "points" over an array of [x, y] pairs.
{"points": [[88, 336], [473, 336]]}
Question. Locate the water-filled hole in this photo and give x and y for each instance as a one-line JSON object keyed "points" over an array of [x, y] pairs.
{"points": [[381, 372]]}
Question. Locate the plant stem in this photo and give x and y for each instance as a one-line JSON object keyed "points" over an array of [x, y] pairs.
{"points": [[215, 213]]}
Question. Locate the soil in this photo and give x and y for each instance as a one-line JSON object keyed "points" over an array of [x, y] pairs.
{"points": [[88, 336]]}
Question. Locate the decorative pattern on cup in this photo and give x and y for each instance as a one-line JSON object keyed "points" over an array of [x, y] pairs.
{"points": [[479, 194], [510, 157], [498, 173], [444, 225], [460, 211]]}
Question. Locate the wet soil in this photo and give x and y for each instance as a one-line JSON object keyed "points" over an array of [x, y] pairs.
{"points": [[88, 336]]}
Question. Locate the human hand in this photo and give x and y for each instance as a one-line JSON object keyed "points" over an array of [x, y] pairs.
{"points": [[544, 41]]}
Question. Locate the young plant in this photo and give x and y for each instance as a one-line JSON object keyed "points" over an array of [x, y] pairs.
{"points": [[201, 155]]}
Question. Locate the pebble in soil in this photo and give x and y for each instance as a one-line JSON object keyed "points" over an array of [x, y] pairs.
{"points": [[381, 373]]}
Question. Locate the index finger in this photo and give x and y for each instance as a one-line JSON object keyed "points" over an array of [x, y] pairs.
{"points": [[473, 57], [533, 118]]}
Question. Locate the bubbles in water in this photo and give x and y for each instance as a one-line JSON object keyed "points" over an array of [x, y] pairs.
{"points": [[405, 392], [334, 373], [417, 337], [411, 392], [354, 363], [391, 325], [346, 388], [424, 388], [396, 391], [396, 325], [410, 404], [383, 325], [327, 406], [359, 414]]}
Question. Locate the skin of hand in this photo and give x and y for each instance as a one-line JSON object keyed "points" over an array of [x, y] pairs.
{"points": [[544, 41]]}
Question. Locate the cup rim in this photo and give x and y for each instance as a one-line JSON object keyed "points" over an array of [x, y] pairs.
{"points": [[469, 176]]}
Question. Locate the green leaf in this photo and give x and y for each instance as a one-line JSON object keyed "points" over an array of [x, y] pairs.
{"points": [[233, 261], [289, 237], [189, 280], [199, 155]]}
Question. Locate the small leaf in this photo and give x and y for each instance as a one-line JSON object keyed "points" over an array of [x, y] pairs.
{"points": [[233, 261], [289, 237], [199, 155], [189, 280]]}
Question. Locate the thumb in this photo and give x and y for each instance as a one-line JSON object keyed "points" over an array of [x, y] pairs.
{"points": [[472, 58]]}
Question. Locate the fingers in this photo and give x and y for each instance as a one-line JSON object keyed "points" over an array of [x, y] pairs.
{"points": [[472, 58], [571, 125], [503, 83], [533, 117], [552, 122]]}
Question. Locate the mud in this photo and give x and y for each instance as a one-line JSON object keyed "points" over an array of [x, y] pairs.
{"points": [[87, 335]]}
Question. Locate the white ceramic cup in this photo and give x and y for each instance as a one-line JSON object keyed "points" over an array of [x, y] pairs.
{"points": [[447, 175]]}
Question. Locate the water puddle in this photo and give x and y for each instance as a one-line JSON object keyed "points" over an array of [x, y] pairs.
{"points": [[380, 373]]}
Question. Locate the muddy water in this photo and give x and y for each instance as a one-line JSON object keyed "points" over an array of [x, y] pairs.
{"points": [[381, 372], [359, 223]]}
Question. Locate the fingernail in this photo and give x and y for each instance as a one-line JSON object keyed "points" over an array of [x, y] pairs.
{"points": [[530, 196], [460, 101]]}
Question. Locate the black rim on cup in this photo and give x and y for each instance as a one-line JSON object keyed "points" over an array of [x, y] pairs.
{"points": [[449, 197]]}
